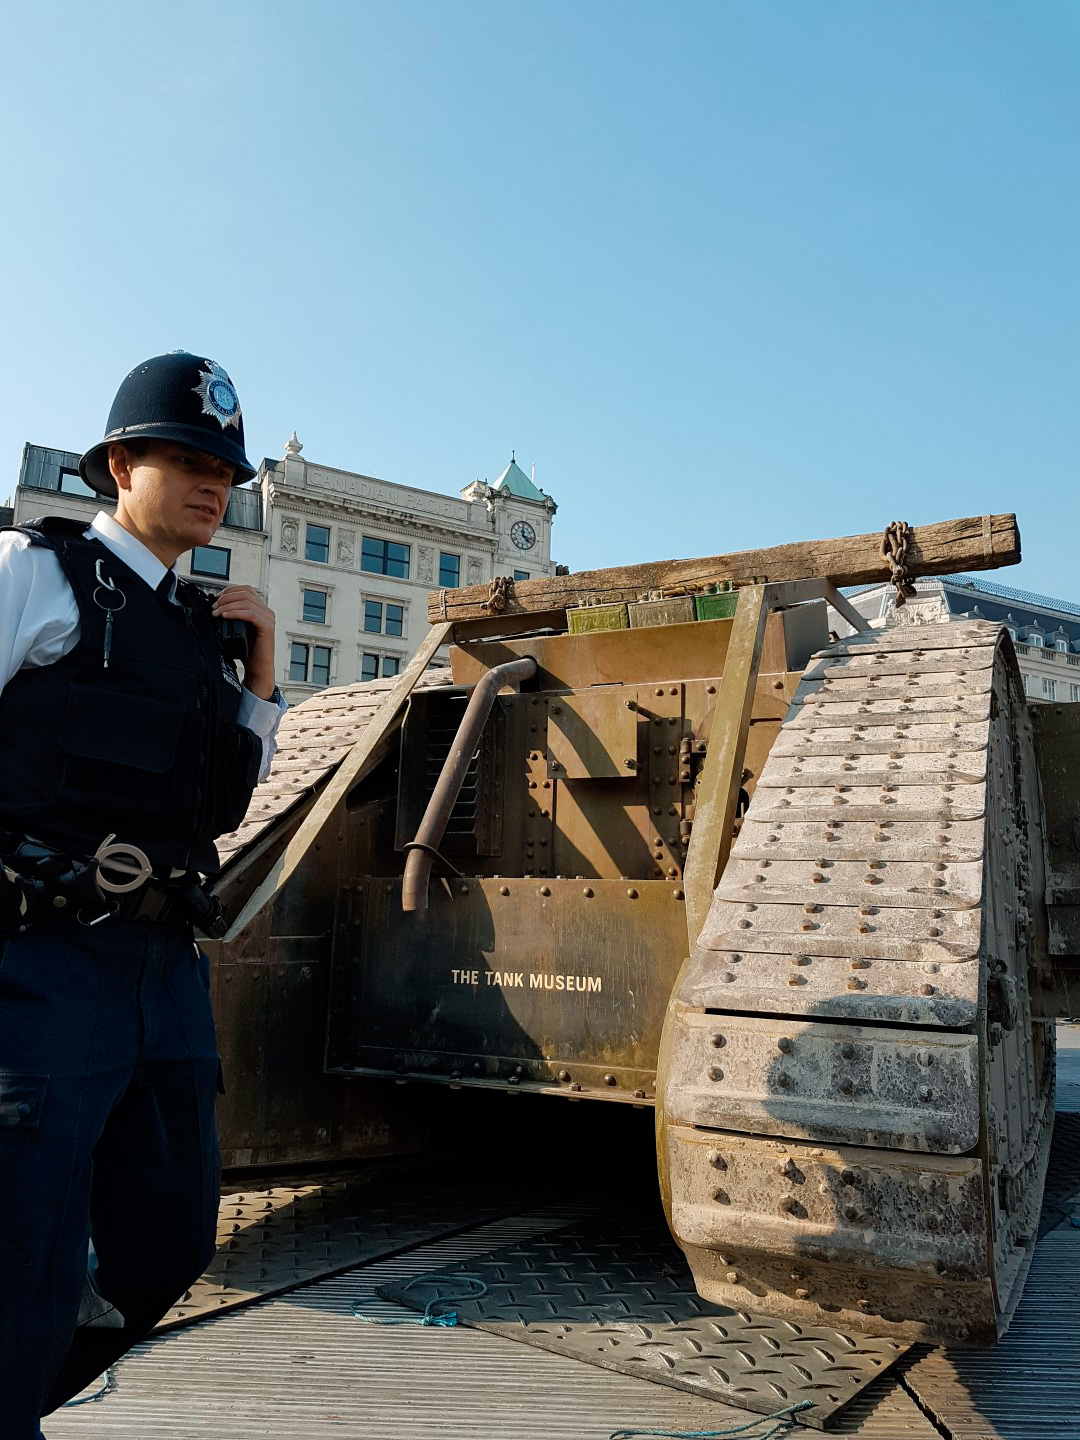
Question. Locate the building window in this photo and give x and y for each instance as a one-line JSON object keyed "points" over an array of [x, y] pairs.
{"points": [[449, 570], [1049, 689], [374, 612], [1061, 644], [318, 656], [391, 665], [72, 483], [210, 560], [1074, 693], [317, 544], [384, 557], [369, 667], [1033, 638], [521, 575], [320, 664], [298, 662], [1029, 684], [315, 606]]}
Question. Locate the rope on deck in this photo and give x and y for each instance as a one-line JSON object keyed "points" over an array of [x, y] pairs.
{"points": [[784, 1422], [107, 1383], [429, 1317]]}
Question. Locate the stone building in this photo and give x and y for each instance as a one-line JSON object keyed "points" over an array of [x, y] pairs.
{"points": [[1046, 632], [345, 560], [352, 559]]}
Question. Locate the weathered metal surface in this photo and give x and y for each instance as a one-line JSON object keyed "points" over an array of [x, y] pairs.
{"points": [[884, 1211], [841, 1084], [593, 735], [669, 610], [816, 937], [276, 1238], [1056, 735], [887, 882], [360, 758], [520, 982], [618, 1295], [908, 992], [475, 824], [586, 619], [865, 840], [456, 767], [652, 654]]}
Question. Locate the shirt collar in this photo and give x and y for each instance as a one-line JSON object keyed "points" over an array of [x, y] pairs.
{"points": [[133, 552]]}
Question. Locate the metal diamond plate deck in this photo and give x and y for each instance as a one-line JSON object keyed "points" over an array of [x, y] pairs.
{"points": [[271, 1240], [301, 1365], [619, 1294]]}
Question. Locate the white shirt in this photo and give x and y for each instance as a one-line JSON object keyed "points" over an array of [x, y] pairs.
{"points": [[39, 615]]}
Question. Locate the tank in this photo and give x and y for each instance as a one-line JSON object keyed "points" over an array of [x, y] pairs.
{"points": [[655, 837]]}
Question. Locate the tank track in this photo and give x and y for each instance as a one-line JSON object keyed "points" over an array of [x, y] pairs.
{"points": [[854, 1105]]}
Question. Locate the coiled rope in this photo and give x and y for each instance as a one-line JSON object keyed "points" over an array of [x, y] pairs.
{"points": [[429, 1317]]}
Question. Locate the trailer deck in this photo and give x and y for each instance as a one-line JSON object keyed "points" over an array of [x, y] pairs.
{"points": [[302, 1363]]}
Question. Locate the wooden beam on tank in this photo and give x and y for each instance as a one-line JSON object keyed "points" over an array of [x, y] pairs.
{"points": [[721, 777], [980, 542]]}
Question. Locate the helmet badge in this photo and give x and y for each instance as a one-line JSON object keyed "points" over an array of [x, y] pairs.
{"points": [[219, 399]]}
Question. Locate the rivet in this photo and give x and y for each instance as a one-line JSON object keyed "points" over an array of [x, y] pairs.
{"points": [[800, 959], [564, 1074], [545, 889], [783, 1081], [610, 1080], [850, 1212], [847, 1086], [926, 989], [848, 1176], [788, 1204], [847, 1051], [732, 1277], [719, 1041], [925, 1093], [784, 1045], [588, 892], [802, 1294], [715, 1073], [716, 1160], [925, 1058], [721, 1197], [632, 893]]}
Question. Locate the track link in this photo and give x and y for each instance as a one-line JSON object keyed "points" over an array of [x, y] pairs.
{"points": [[854, 1104]]}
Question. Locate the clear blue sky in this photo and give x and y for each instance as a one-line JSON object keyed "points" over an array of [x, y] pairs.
{"points": [[730, 273]]}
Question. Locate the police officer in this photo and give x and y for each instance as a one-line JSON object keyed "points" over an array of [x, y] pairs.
{"points": [[128, 743]]}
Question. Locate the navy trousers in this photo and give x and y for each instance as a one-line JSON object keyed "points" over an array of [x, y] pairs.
{"points": [[108, 1080]]}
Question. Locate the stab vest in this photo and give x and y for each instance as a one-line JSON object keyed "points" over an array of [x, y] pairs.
{"points": [[145, 748]]}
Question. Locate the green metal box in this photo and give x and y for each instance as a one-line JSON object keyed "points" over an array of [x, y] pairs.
{"points": [[668, 610], [717, 605], [588, 618]]}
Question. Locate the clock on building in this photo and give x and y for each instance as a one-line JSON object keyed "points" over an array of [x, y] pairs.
{"points": [[523, 535]]}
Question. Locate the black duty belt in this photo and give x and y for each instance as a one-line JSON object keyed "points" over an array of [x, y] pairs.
{"points": [[117, 882]]}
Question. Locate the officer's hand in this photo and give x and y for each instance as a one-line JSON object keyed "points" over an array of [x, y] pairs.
{"points": [[242, 602]]}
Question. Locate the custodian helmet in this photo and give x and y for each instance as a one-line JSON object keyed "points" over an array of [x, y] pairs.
{"points": [[172, 397]]}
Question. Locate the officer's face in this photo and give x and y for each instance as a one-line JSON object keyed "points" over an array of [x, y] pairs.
{"points": [[170, 496]]}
